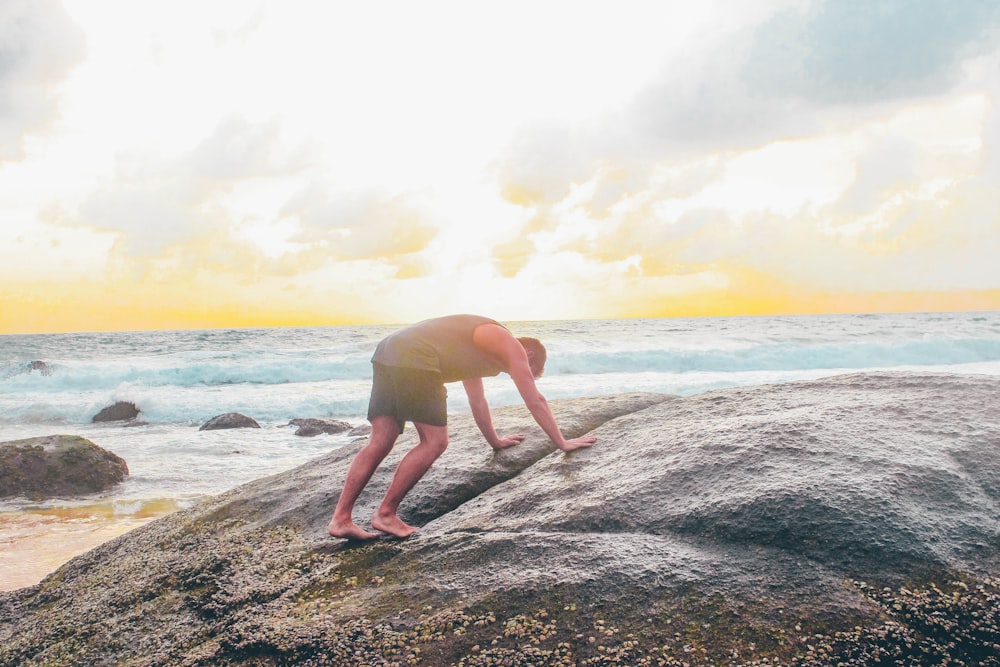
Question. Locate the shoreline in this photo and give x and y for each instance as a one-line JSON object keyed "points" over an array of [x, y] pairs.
{"points": [[37, 541]]}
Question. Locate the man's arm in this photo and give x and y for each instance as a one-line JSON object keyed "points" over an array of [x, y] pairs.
{"points": [[501, 343], [484, 420]]}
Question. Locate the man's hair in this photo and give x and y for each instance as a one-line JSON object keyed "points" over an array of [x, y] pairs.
{"points": [[536, 360]]}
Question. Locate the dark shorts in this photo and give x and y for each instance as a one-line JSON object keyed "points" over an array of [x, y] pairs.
{"points": [[408, 394]]}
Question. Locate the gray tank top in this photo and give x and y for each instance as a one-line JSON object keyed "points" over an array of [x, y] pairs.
{"points": [[443, 345]]}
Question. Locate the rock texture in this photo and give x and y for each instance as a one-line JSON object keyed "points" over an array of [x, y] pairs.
{"points": [[311, 427], [360, 430], [120, 411], [229, 420], [57, 466], [831, 522]]}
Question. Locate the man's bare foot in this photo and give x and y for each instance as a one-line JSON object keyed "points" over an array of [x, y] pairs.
{"points": [[350, 530], [392, 524]]}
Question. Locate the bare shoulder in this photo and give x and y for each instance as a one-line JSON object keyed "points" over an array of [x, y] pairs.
{"points": [[492, 337], [501, 343]]}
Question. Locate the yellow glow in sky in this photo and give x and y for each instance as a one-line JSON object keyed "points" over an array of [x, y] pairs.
{"points": [[213, 164]]}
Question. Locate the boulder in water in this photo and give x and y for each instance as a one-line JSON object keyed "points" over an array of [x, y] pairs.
{"points": [[311, 427], [229, 420], [57, 466], [120, 411]]}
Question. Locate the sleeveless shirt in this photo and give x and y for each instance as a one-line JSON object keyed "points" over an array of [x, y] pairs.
{"points": [[443, 345]]}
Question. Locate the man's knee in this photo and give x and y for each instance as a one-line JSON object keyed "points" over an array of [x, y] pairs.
{"points": [[437, 445], [380, 446], [383, 436], [434, 438]]}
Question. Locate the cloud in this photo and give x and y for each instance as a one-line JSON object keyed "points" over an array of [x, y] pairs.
{"points": [[239, 150], [890, 163], [156, 201], [542, 162], [894, 204], [235, 202], [862, 52], [834, 147], [39, 44], [359, 224], [816, 62], [791, 73]]}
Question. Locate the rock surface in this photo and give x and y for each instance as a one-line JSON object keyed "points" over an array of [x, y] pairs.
{"points": [[360, 430], [722, 528], [57, 466], [311, 427], [229, 420], [120, 411]]}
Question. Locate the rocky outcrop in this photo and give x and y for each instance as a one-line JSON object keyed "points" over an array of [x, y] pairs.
{"points": [[120, 411], [311, 427], [57, 466], [825, 522], [229, 420]]}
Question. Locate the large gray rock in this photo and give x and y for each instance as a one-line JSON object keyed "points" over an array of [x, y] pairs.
{"points": [[57, 466], [714, 529]]}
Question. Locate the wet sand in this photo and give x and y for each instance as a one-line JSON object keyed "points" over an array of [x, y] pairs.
{"points": [[35, 543]]}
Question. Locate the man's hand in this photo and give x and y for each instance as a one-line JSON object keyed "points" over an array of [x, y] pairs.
{"points": [[578, 443], [509, 441]]}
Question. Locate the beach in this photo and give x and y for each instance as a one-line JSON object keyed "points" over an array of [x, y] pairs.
{"points": [[180, 379]]}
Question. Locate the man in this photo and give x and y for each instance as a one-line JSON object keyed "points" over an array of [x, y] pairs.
{"points": [[410, 368]]}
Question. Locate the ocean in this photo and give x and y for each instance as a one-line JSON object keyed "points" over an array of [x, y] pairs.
{"points": [[181, 379]]}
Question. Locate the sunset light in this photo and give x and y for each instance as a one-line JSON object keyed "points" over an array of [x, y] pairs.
{"points": [[225, 164]]}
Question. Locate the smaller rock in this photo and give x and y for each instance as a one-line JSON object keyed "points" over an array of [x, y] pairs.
{"points": [[311, 427], [39, 366], [360, 430], [57, 466], [120, 411], [229, 420]]}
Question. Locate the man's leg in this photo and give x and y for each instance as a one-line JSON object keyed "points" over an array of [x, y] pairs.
{"points": [[385, 430], [433, 442]]}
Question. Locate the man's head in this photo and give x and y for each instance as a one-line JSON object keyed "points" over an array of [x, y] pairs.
{"points": [[536, 354]]}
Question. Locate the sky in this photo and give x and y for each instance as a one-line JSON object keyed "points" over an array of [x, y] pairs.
{"points": [[204, 163]]}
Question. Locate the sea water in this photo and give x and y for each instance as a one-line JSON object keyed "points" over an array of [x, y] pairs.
{"points": [[181, 379]]}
